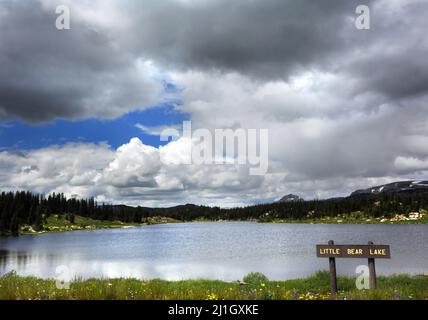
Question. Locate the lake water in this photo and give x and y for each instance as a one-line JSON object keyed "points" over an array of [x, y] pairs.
{"points": [[209, 250]]}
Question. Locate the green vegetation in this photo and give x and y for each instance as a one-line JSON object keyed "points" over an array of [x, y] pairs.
{"points": [[56, 223], [358, 218], [255, 278], [13, 287], [160, 220]]}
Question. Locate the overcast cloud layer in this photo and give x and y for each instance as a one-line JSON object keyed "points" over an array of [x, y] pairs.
{"points": [[345, 108]]}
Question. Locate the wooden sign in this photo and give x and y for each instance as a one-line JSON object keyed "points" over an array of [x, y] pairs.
{"points": [[369, 251], [354, 251]]}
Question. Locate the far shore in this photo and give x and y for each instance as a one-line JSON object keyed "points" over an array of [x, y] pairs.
{"points": [[360, 218], [58, 224]]}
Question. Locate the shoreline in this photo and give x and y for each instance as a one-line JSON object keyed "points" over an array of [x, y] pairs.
{"points": [[94, 225], [57, 225]]}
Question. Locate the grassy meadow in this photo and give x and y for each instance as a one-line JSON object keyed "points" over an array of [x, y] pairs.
{"points": [[316, 287], [59, 223], [358, 217]]}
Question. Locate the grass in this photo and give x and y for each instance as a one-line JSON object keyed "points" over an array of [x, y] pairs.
{"points": [[316, 287], [357, 217], [57, 223]]}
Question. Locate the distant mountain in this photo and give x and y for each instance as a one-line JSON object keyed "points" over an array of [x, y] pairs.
{"points": [[395, 187], [290, 198]]}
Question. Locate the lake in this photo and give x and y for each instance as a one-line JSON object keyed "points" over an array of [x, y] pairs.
{"points": [[209, 250]]}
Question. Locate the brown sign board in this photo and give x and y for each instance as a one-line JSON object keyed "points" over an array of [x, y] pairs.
{"points": [[354, 251]]}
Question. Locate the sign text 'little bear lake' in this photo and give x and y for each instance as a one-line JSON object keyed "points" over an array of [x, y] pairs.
{"points": [[354, 251]]}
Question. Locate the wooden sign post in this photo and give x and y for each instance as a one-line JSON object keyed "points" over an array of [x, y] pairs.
{"points": [[332, 266], [372, 271], [370, 251]]}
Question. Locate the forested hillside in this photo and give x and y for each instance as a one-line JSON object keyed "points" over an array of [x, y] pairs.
{"points": [[25, 208]]}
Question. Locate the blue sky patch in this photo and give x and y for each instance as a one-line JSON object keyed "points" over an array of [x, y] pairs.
{"points": [[20, 135]]}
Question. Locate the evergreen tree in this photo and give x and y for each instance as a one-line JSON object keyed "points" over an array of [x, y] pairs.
{"points": [[14, 224]]}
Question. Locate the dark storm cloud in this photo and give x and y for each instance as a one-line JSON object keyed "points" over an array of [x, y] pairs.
{"points": [[275, 38], [390, 58], [267, 39], [396, 77], [46, 73]]}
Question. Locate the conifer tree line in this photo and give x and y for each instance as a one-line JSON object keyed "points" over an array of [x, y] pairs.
{"points": [[26, 208]]}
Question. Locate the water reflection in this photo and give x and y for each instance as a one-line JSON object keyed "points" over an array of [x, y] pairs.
{"points": [[208, 250], [18, 258], [26, 261]]}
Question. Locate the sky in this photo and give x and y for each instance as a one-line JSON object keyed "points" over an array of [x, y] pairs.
{"points": [[81, 110]]}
